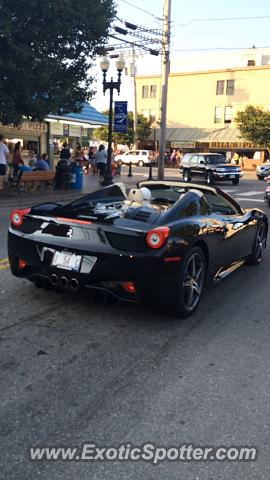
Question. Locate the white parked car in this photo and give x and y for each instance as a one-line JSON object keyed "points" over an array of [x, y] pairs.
{"points": [[263, 170], [137, 157]]}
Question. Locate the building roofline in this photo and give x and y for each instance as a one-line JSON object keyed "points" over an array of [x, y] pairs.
{"points": [[75, 120], [205, 72]]}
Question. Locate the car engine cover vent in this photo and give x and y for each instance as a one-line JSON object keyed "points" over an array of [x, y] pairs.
{"points": [[142, 214]]}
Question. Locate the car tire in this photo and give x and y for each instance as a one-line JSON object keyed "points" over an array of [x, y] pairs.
{"points": [[189, 283], [259, 177], [186, 176], [235, 181], [141, 163], [210, 178], [259, 245]]}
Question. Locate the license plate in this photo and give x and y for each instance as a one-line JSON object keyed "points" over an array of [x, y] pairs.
{"points": [[232, 176], [67, 261]]}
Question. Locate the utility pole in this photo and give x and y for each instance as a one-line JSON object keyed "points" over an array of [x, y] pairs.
{"points": [[164, 84], [135, 115]]}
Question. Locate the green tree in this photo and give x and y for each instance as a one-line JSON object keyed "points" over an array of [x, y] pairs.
{"points": [[46, 49], [127, 138], [254, 125]]}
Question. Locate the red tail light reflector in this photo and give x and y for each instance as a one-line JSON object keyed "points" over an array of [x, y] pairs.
{"points": [[156, 238], [172, 259], [16, 216], [21, 264], [129, 287]]}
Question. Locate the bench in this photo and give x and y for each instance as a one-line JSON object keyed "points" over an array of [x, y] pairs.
{"points": [[24, 178]]}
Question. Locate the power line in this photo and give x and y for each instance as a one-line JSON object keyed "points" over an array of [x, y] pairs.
{"points": [[137, 35], [139, 45], [146, 39], [141, 28], [214, 48], [141, 9], [224, 19]]}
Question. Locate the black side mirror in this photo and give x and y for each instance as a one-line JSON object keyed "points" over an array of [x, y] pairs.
{"points": [[202, 162]]}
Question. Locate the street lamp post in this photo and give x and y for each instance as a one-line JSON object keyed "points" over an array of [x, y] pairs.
{"points": [[154, 127], [120, 65]]}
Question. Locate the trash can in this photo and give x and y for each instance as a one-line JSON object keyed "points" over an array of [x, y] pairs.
{"points": [[77, 171], [63, 175]]}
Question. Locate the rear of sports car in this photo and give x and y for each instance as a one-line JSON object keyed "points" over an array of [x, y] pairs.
{"points": [[123, 256]]}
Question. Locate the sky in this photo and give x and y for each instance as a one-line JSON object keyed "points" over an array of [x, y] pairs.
{"points": [[199, 31]]}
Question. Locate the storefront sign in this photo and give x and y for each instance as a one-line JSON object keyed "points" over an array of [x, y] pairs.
{"points": [[66, 130], [182, 144], [75, 131], [231, 145], [34, 126], [120, 116], [56, 128]]}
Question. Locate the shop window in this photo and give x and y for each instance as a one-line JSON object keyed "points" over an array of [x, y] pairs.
{"points": [[153, 91], [145, 113], [145, 91], [228, 114], [230, 87], [220, 87], [218, 114], [152, 116]]}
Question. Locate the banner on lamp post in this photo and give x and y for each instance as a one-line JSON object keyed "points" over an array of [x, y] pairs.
{"points": [[120, 117]]}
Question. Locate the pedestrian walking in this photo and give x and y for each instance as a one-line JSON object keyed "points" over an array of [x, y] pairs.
{"points": [[16, 158], [101, 160], [4, 155], [92, 160], [78, 154]]}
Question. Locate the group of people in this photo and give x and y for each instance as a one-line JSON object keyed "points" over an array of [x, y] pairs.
{"points": [[92, 159], [174, 158], [13, 159], [18, 164]]}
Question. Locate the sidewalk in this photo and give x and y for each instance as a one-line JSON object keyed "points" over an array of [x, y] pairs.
{"points": [[90, 184]]}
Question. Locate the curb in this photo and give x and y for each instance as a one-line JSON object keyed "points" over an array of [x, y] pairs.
{"points": [[26, 199]]}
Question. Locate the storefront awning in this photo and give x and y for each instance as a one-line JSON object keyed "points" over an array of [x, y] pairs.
{"points": [[89, 117], [211, 136]]}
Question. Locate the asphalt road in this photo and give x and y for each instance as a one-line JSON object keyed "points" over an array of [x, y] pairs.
{"points": [[74, 371]]}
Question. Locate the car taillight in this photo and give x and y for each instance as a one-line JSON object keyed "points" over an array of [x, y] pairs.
{"points": [[156, 238], [16, 216]]}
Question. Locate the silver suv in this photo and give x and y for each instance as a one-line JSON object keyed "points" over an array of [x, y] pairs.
{"points": [[262, 171]]}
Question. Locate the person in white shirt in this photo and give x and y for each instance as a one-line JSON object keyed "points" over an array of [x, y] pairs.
{"points": [[101, 159], [4, 153]]}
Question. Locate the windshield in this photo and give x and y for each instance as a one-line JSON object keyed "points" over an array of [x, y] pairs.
{"points": [[215, 159]]}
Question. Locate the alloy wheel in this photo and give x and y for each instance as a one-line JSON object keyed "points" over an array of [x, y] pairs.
{"points": [[193, 281], [260, 242]]}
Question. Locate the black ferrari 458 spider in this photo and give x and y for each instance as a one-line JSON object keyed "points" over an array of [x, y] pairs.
{"points": [[162, 242]]}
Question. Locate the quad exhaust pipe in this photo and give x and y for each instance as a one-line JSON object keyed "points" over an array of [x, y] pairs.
{"points": [[54, 279], [73, 284], [64, 282]]}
